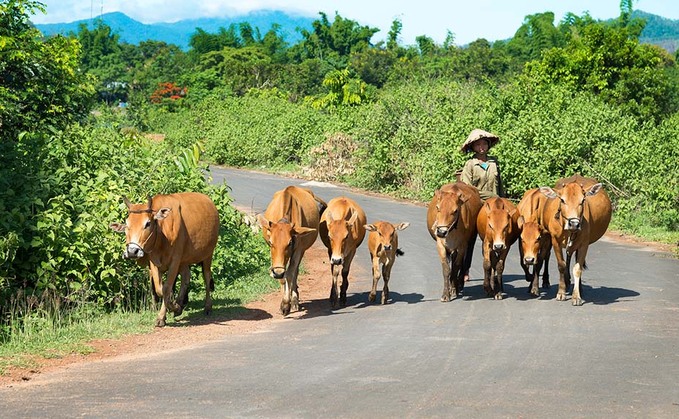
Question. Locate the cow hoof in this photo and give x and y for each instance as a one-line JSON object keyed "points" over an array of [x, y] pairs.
{"points": [[178, 311], [384, 300], [372, 297], [285, 309], [561, 296], [578, 301], [498, 296], [160, 322]]}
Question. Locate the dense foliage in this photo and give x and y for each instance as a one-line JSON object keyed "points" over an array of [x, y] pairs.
{"points": [[63, 173]]}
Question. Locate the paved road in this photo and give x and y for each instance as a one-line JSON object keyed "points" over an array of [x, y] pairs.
{"points": [[616, 356]]}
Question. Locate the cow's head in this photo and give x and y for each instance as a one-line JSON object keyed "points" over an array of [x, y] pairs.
{"points": [[571, 202], [281, 236], [448, 204], [140, 227], [532, 235], [498, 223], [339, 231], [384, 236]]}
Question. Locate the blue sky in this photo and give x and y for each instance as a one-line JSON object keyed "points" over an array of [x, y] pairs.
{"points": [[467, 20]]}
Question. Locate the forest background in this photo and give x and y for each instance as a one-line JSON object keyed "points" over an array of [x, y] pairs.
{"points": [[81, 115]]}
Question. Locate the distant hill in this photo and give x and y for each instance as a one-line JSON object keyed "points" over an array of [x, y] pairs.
{"points": [[659, 31], [179, 33]]}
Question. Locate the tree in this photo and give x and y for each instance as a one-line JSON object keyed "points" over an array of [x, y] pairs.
{"points": [[609, 61], [333, 42]]}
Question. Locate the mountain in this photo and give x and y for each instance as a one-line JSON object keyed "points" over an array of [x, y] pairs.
{"points": [[179, 33], [659, 31]]}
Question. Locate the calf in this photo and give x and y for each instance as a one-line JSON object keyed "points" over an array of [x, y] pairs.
{"points": [[383, 248], [535, 244], [498, 229]]}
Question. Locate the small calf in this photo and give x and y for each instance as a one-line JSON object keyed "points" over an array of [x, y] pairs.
{"points": [[383, 247]]}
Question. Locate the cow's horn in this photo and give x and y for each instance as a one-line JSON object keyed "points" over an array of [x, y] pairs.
{"points": [[150, 199], [127, 202]]}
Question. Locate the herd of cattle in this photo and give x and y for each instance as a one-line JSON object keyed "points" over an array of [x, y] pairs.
{"points": [[171, 232]]}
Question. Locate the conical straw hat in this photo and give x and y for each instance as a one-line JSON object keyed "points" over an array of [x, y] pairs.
{"points": [[478, 134]]}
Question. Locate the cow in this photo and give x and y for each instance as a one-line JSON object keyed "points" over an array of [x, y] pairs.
{"points": [[383, 248], [451, 222], [342, 230], [498, 230], [173, 232], [535, 244], [574, 219], [290, 227]]}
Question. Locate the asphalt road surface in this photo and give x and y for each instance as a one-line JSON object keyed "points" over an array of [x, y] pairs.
{"points": [[615, 356]]}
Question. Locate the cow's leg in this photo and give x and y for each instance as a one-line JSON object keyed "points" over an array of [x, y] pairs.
{"points": [[168, 286], [499, 269], [209, 284], [567, 272], [488, 280], [334, 290], [526, 268], [457, 273], [577, 276], [386, 275], [376, 277], [561, 264], [334, 271], [156, 288], [293, 272], [156, 278], [345, 278], [183, 298], [534, 287], [544, 258], [444, 256]]}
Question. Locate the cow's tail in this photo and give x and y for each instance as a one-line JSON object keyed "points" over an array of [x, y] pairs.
{"points": [[400, 252]]}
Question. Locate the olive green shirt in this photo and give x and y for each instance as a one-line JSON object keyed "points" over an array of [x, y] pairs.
{"points": [[485, 177]]}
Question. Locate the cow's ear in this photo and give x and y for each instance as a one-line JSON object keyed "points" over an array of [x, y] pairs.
{"points": [[401, 226], [118, 227], [303, 231], [548, 192], [127, 202], [594, 189], [162, 213], [263, 221], [353, 218], [520, 222], [370, 227]]}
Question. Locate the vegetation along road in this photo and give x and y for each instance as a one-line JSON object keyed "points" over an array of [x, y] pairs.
{"points": [[615, 356]]}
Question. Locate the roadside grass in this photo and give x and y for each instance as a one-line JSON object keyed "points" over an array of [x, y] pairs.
{"points": [[57, 333], [643, 231]]}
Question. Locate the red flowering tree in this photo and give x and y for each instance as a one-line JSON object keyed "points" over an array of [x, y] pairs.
{"points": [[168, 91]]}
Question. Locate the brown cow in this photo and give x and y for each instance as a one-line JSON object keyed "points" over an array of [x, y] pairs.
{"points": [[173, 231], [498, 230], [342, 230], [290, 227], [383, 248], [535, 244], [569, 216], [451, 221]]}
